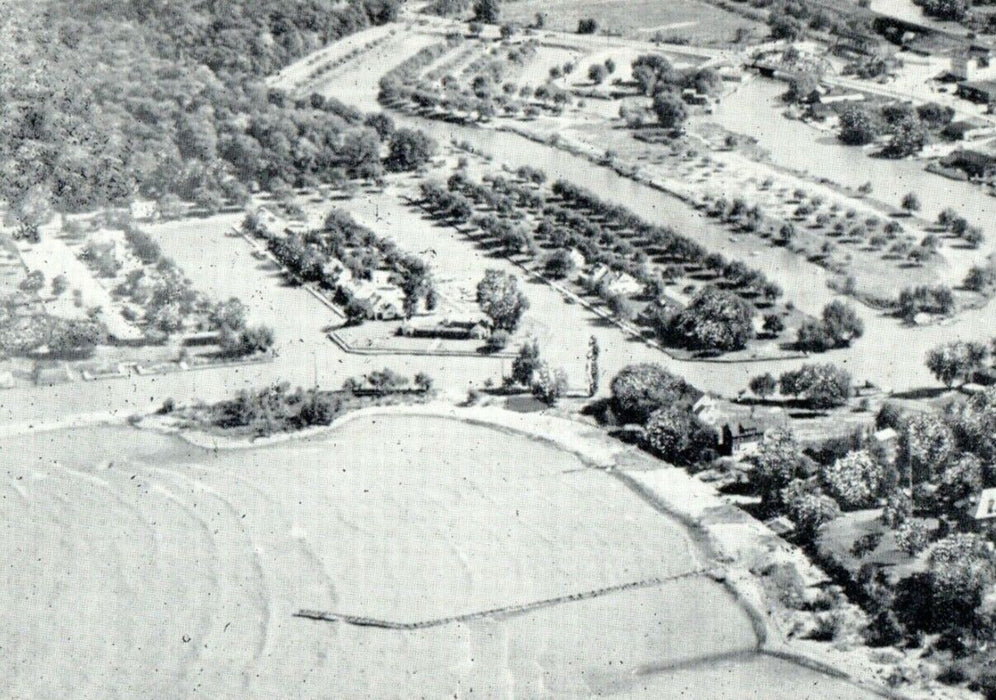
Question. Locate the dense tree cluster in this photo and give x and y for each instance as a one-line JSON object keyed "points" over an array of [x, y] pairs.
{"points": [[639, 390], [838, 328], [818, 386], [171, 101], [937, 300], [715, 320]]}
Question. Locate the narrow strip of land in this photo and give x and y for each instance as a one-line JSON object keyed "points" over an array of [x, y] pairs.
{"points": [[505, 611]]}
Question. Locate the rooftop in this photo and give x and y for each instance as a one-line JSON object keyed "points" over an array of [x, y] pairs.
{"points": [[986, 509]]}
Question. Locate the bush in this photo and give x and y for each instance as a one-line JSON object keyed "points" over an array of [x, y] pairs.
{"points": [[912, 536], [498, 340], [676, 434], [249, 341], [409, 149], [549, 383], [587, 26], [884, 630], [319, 409]]}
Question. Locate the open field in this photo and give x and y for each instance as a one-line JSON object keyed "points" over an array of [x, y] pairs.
{"points": [[699, 22]]}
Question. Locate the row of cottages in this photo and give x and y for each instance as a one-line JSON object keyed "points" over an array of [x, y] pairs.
{"points": [[613, 281], [386, 299]]}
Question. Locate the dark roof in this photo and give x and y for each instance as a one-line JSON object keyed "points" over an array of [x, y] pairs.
{"points": [[742, 430], [988, 86]]}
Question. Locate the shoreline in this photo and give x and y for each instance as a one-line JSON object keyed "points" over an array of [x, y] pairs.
{"points": [[685, 501]]}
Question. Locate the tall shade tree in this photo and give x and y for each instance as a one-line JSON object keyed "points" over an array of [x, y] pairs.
{"points": [[500, 298], [639, 390], [956, 360]]}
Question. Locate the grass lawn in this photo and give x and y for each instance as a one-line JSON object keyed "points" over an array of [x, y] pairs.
{"points": [[838, 537], [696, 21]]}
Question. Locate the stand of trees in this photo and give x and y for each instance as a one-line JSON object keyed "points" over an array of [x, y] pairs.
{"points": [[171, 102]]}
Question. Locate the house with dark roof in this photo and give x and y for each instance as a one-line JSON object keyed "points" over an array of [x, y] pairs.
{"points": [[980, 91], [739, 439]]}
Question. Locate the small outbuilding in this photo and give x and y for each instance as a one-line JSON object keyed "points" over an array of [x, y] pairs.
{"points": [[985, 510], [740, 439]]}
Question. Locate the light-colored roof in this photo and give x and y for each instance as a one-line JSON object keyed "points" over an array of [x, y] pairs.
{"points": [[885, 434], [986, 510], [780, 525]]}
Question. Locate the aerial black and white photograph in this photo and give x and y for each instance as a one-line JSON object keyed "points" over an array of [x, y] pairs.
{"points": [[516, 349]]}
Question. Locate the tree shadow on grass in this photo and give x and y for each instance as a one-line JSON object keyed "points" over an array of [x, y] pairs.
{"points": [[921, 393]]}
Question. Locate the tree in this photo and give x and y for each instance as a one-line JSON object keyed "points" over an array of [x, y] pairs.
{"points": [[773, 324], [810, 511], [820, 386], [423, 382], [487, 11], [912, 536], [33, 282], [500, 298], [677, 435], [961, 479], [587, 26], [961, 568], [381, 123], [802, 87], [778, 461], [908, 137], [250, 341], [763, 385], [639, 390], [911, 203], [842, 323], [975, 424], [784, 26], [526, 362], [359, 155], [669, 109], [610, 65], [409, 149], [926, 443], [498, 340], [859, 126], [715, 319], [549, 383], [59, 285], [956, 360], [559, 264], [854, 480], [74, 337], [597, 73], [228, 315], [592, 365]]}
